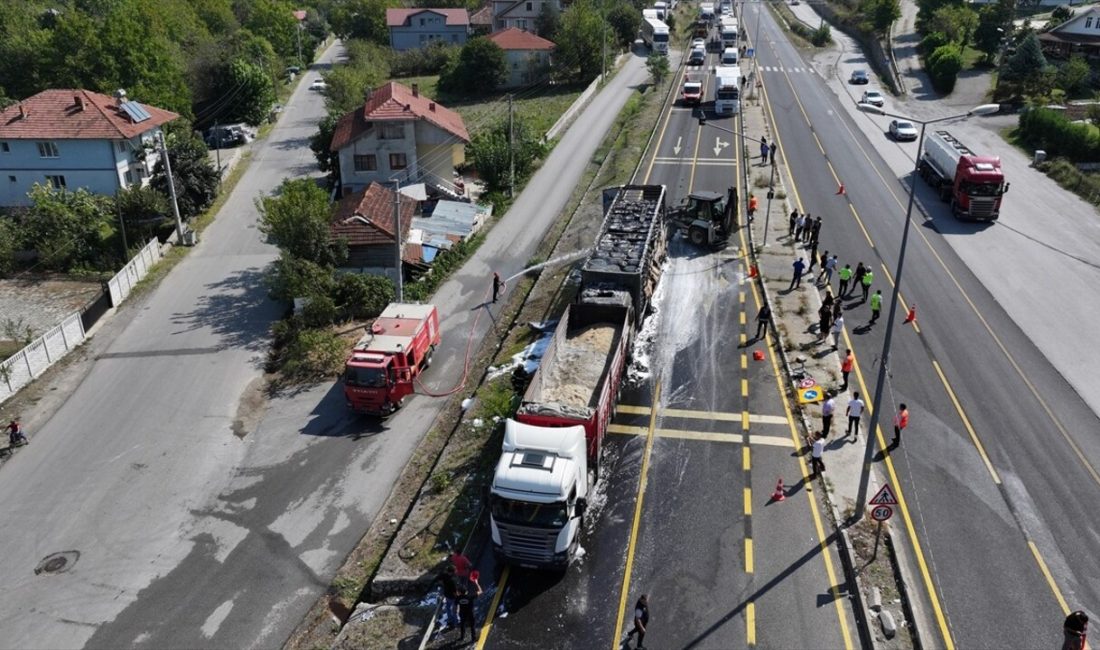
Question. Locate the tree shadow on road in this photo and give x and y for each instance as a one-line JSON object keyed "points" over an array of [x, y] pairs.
{"points": [[236, 310]]}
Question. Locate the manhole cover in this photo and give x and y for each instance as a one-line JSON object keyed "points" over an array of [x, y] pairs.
{"points": [[57, 562]]}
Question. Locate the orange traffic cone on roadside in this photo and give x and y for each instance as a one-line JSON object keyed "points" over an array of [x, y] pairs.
{"points": [[840, 190], [778, 495], [912, 317], [753, 272]]}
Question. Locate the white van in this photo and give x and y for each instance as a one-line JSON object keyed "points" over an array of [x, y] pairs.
{"points": [[729, 56]]}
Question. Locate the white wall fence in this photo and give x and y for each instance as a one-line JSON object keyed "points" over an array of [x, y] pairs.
{"points": [[30, 362]]}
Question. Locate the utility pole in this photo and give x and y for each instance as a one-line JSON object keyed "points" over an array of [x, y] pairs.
{"points": [[122, 231], [399, 283], [511, 150], [298, 31], [603, 54], [171, 187], [218, 150]]}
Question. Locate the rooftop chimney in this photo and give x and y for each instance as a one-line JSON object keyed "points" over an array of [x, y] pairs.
{"points": [[416, 90], [22, 111], [431, 106], [79, 101]]}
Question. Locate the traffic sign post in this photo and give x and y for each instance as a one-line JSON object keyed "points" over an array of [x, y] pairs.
{"points": [[882, 508], [884, 497], [881, 513]]}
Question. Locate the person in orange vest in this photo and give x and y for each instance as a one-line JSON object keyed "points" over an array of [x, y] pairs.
{"points": [[753, 204], [901, 420], [846, 367]]}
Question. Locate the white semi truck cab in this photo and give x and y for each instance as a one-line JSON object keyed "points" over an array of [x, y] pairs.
{"points": [[539, 495]]}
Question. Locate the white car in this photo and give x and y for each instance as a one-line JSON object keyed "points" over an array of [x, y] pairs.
{"points": [[318, 84], [699, 43], [874, 98], [729, 56], [903, 130]]}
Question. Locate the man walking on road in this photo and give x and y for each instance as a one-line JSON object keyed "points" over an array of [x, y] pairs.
{"points": [[641, 620], [827, 268], [827, 409], [799, 226], [498, 284], [763, 317], [846, 367], [901, 420], [876, 305], [838, 330], [815, 231], [865, 282], [845, 275], [855, 410], [799, 269], [465, 602]]}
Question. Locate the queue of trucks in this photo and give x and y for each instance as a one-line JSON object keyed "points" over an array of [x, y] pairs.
{"points": [[552, 448], [973, 184]]}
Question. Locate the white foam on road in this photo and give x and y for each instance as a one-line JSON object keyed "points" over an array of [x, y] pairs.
{"points": [[216, 618]]}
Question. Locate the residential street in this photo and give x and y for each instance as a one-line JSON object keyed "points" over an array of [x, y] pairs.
{"points": [[192, 516]]}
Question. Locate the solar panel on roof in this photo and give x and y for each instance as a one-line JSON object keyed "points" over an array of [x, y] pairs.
{"points": [[136, 111]]}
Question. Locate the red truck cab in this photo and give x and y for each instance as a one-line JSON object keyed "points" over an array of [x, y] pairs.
{"points": [[380, 372], [978, 187], [692, 92]]}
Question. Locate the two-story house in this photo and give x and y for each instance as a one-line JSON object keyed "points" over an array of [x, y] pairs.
{"points": [[77, 139], [521, 14], [1078, 35], [527, 56], [400, 135], [413, 28]]}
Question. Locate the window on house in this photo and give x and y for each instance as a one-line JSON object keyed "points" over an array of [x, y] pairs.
{"points": [[47, 150], [522, 24], [454, 38], [392, 132], [4, 147], [121, 144], [530, 6], [57, 182], [129, 178], [11, 179], [421, 22], [397, 161], [366, 163]]}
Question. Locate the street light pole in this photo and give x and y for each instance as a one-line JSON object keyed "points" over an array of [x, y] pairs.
{"points": [[884, 356]]}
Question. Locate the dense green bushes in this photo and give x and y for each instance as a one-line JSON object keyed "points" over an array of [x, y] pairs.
{"points": [[943, 67], [1049, 130]]}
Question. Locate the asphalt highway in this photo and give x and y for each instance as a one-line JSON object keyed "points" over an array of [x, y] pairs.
{"points": [[684, 510], [998, 467]]}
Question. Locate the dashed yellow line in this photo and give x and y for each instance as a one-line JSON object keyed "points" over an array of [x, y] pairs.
{"points": [[748, 497], [710, 436], [750, 623], [748, 555], [487, 627], [632, 410], [746, 458], [744, 388], [1050, 578]]}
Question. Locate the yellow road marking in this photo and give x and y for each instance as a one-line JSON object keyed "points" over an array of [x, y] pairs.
{"points": [[750, 623], [744, 388], [632, 410], [966, 423], [745, 420], [744, 362], [771, 441], [718, 416], [637, 520], [487, 626], [748, 555], [685, 434], [748, 498], [742, 319], [627, 429], [1050, 578], [746, 458]]}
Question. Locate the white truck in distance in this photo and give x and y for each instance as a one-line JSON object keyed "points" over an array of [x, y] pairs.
{"points": [[729, 32], [655, 35], [727, 90]]}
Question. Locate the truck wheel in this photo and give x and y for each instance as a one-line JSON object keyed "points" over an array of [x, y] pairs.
{"points": [[428, 357], [697, 236]]}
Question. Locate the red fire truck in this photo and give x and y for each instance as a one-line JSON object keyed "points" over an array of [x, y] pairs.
{"points": [[379, 374]]}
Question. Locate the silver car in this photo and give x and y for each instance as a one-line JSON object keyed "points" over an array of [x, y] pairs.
{"points": [[903, 130]]}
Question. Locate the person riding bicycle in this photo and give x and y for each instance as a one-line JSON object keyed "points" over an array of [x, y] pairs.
{"points": [[15, 433]]}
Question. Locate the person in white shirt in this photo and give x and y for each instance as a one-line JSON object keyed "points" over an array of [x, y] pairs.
{"points": [[827, 409], [855, 410], [817, 464]]}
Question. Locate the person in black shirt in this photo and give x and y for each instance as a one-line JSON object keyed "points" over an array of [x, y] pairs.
{"points": [[465, 603], [450, 593], [641, 620]]}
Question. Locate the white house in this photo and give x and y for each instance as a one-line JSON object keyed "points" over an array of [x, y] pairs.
{"points": [[77, 139], [415, 28], [400, 135], [521, 14], [1078, 35], [527, 56]]}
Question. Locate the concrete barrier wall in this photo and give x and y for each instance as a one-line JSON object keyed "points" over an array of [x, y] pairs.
{"points": [[30, 362], [123, 283]]}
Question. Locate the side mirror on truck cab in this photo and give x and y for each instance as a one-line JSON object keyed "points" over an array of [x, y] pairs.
{"points": [[580, 508]]}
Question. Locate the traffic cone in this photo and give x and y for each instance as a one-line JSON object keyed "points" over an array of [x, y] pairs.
{"points": [[840, 190], [912, 317], [758, 355], [778, 494], [753, 272]]}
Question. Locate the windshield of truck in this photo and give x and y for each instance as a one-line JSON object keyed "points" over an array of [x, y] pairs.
{"points": [[727, 93], [546, 515], [365, 377], [660, 38], [981, 189]]}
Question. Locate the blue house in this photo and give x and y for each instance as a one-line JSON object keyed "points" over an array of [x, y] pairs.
{"points": [[77, 139], [413, 28]]}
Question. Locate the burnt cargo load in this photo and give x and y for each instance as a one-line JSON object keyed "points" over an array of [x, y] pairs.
{"points": [[551, 455], [630, 249]]}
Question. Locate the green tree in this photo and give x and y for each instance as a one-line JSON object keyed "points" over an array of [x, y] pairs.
{"points": [[943, 67], [195, 178], [548, 21], [579, 54], [994, 25], [361, 296], [479, 69], [657, 64], [274, 20], [290, 277], [1061, 14], [365, 19], [367, 68], [956, 22], [321, 145], [625, 20], [928, 8], [141, 209], [1073, 76], [493, 156], [69, 230], [9, 243], [880, 14], [249, 93], [298, 220], [1027, 70]]}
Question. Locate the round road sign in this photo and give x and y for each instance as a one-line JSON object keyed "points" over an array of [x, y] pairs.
{"points": [[881, 513], [808, 382]]}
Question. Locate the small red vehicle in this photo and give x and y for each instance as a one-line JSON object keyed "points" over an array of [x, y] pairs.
{"points": [[379, 374]]}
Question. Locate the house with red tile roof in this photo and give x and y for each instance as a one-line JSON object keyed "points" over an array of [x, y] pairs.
{"points": [[527, 56], [77, 139], [399, 134], [414, 28], [364, 219]]}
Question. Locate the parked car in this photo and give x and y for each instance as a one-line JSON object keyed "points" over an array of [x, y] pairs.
{"points": [[874, 98], [319, 85], [859, 77], [903, 130], [228, 135], [698, 56]]}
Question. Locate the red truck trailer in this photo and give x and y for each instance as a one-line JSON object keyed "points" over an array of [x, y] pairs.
{"points": [[973, 184], [379, 374]]}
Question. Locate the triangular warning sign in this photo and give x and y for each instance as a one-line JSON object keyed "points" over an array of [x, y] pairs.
{"points": [[884, 497]]}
